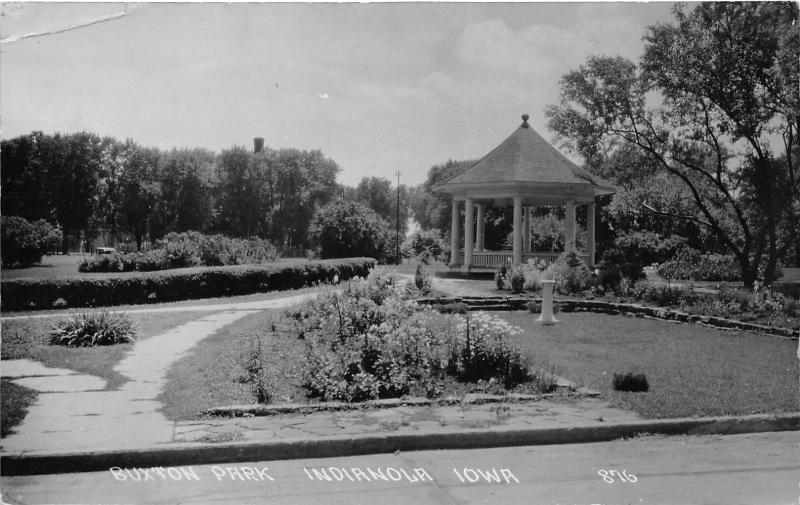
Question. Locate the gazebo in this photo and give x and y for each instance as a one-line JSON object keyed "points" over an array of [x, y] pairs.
{"points": [[526, 172]]}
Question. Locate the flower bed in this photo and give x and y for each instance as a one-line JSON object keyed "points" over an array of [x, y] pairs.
{"points": [[373, 341]]}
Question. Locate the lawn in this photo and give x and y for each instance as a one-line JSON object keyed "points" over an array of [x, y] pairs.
{"points": [[210, 374], [28, 338], [692, 370], [213, 373]]}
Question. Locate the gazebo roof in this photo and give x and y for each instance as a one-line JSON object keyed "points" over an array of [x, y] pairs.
{"points": [[526, 160]]}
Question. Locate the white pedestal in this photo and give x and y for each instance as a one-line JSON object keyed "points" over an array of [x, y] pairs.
{"points": [[546, 316]]}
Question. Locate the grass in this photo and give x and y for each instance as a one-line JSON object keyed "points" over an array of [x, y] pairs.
{"points": [[28, 338], [211, 373], [15, 402], [692, 370]]}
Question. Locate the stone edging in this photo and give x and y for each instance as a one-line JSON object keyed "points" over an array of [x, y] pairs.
{"points": [[572, 305], [468, 399]]}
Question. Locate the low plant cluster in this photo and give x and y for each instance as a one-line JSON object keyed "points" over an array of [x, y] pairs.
{"points": [[658, 294], [570, 274], [373, 341], [763, 303], [636, 383], [185, 284], [89, 329], [181, 250], [693, 265], [24, 242]]}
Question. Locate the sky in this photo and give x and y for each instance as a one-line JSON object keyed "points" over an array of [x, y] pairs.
{"points": [[377, 87]]}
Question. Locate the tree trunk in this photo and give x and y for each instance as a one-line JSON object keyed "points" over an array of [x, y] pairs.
{"points": [[749, 273], [138, 242], [65, 241]]}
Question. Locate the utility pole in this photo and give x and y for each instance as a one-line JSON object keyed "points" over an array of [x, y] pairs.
{"points": [[397, 231]]}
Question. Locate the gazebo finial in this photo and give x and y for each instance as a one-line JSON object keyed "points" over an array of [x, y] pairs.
{"points": [[525, 118]]}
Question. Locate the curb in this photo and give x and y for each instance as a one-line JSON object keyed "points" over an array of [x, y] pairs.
{"points": [[258, 409], [202, 454]]}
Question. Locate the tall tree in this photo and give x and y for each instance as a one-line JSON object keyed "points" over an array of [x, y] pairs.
{"points": [[432, 211], [187, 179], [75, 164], [139, 190], [298, 183], [241, 200], [378, 194], [723, 89], [24, 178]]}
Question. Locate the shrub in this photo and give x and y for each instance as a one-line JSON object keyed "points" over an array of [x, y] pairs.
{"points": [[184, 284], [369, 341], [646, 247], [425, 245], [658, 294], [182, 250], [485, 354], [92, 329], [570, 274], [791, 307], [692, 265], [517, 280], [422, 281], [631, 382], [347, 229], [500, 277], [258, 377], [616, 265], [24, 242]]}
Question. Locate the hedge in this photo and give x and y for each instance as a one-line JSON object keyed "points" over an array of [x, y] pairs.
{"points": [[179, 284]]}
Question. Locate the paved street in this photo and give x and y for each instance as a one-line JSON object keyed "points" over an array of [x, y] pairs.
{"points": [[746, 469]]}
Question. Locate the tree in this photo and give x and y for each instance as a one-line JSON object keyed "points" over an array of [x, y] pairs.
{"points": [[724, 85], [24, 178], [343, 229], [76, 163], [24, 243], [187, 181], [298, 182], [241, 198], [139, 190], [432, 211], [426, 246], [377, 194]]}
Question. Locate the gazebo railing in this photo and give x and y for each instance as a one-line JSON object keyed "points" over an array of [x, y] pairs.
{"points": [[500, 258]]}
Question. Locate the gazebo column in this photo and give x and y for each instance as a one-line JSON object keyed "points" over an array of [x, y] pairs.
{"points": [[479, 240], [527, 230], [517, 258], [590, 233], [454, 235], [569, 228], [469, 234]]}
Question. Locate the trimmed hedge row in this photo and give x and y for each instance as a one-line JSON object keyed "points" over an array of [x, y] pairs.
{"points": [[181, 284]]}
